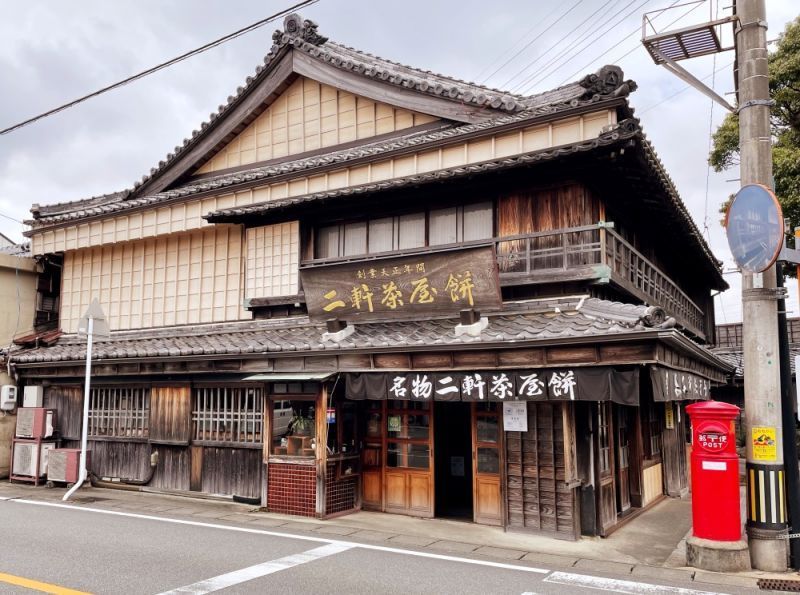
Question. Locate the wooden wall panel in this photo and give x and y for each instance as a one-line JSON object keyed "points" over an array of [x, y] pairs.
{"points": [[273, 259], [308, 116], [537, 498], [172, 472], [652, 484], [171, 414], [129, 460], [185, 216], [177, 279], [234, 471], [68, 403]]}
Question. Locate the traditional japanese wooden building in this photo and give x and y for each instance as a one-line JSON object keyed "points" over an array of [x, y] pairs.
{"points": [[360, 285]]}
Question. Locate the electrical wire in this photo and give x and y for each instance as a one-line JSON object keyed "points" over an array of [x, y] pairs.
{"points": [[634, 48], [12, 218], [480, 75], [564, 38], [541, 76], [163, 65], [710, 141], [527, 45]]}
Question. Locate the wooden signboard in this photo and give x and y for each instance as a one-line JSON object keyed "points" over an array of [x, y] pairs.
{"points": [[435, 283]]}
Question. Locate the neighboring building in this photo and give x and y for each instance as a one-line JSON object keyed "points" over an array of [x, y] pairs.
{"points": [[18, 279], [5, 242], [728, 347], [294, 299]]}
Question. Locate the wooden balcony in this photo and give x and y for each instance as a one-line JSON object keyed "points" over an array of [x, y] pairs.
{"points": [[590, 254], [594, 253]]}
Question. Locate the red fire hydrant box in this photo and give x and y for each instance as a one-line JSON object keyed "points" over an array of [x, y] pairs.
{"points": [[715, 472]]}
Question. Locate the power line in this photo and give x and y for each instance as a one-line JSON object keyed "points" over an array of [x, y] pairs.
{"points": [[634, 48], [480, 76], [161, 66], [710, 139], [531, 81], [544, 53], [9, 217], [527, 45], [567, 49]]}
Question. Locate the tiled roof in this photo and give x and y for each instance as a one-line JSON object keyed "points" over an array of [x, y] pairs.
{"points": [[620, 133], [530, 321], [302, 36], [730, 339], [22, 250], [113, 203]]}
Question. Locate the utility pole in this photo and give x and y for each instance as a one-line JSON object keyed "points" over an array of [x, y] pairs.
{"points": [[762, 382]]}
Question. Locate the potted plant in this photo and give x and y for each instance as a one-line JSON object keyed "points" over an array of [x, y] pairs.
{"points": [[299, 425]]}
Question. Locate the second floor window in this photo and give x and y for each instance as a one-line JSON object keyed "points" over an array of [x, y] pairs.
{"points": [[404, 232]]}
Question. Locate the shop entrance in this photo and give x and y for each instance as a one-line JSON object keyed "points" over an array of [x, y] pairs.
{"points": [[453, 460]]}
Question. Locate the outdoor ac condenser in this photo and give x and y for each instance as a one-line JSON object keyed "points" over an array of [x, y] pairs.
{"points": [[35, 422], [8, 397], [33, 396], [64, 464], [26, 456]]}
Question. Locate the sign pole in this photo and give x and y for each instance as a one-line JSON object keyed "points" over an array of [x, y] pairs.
{"points": [[92, 323], [85, 424]]}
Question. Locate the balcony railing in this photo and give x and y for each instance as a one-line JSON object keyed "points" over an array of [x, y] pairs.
{"points": [[593, 252]]}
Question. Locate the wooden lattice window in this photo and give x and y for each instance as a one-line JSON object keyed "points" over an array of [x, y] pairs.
{"points": [[655, 427], [231, 415], [119, 412], [604, 438]]}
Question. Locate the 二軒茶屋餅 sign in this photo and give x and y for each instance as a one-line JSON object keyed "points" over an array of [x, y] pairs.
{"points": [[433, 283]]}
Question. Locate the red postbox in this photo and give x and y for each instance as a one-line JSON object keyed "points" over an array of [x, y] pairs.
{"points": [[715, 472]]}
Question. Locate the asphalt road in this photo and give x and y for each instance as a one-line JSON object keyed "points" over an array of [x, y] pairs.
{"points": [[57, 548]]}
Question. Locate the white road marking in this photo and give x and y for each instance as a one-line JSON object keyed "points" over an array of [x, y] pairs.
{"points": [[365, 546], [223, 581], [617, 585]]}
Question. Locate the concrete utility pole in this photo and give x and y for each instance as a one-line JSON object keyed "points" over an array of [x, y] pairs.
{"points": [[762, 383]]}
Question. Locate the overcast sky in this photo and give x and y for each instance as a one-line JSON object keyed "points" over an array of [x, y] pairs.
{"points": [[54, 51]]}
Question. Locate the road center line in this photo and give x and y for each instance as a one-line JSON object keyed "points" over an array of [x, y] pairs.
{"points": [[37, 585], [617, 585], [223, 581], [365, 546]]}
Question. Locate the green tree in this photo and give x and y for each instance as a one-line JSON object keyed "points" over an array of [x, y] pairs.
{"points": [[784, 88]]}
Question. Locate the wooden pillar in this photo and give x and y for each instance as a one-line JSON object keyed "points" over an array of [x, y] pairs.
{"points": [[321, 452]]}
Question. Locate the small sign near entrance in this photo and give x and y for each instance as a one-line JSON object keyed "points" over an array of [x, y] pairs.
{"points": [[515, 416], [669, 416]]}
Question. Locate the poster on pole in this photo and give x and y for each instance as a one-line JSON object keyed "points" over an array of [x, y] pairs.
{"points": [[765, 446], [515, 416]]}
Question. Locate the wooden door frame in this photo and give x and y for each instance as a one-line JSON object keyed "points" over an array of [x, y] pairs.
{"points": [[601, 529], [501, 475]]}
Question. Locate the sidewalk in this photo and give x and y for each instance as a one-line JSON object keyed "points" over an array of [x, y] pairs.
{"points": [[648, 547]]}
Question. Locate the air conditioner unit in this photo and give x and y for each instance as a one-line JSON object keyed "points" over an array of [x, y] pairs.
{"points": [[64, 464], [35, 422], [27, 455], [33, 396], [8, 397]]}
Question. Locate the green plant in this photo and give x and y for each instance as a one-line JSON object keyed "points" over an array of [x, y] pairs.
{"points": [[300, 425]]}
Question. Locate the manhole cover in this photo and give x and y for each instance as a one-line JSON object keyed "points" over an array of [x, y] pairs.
{"points": [[779, 584]]}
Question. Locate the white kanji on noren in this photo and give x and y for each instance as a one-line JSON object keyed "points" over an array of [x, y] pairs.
{"points": [[447, 386], [563, 383], [501, 386], [398, 388], [421, 387], [532, 386], [473, 383]]}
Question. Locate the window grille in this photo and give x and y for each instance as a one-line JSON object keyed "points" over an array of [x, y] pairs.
{"points": [[654, 422], [228, 414], [119, 412]]}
